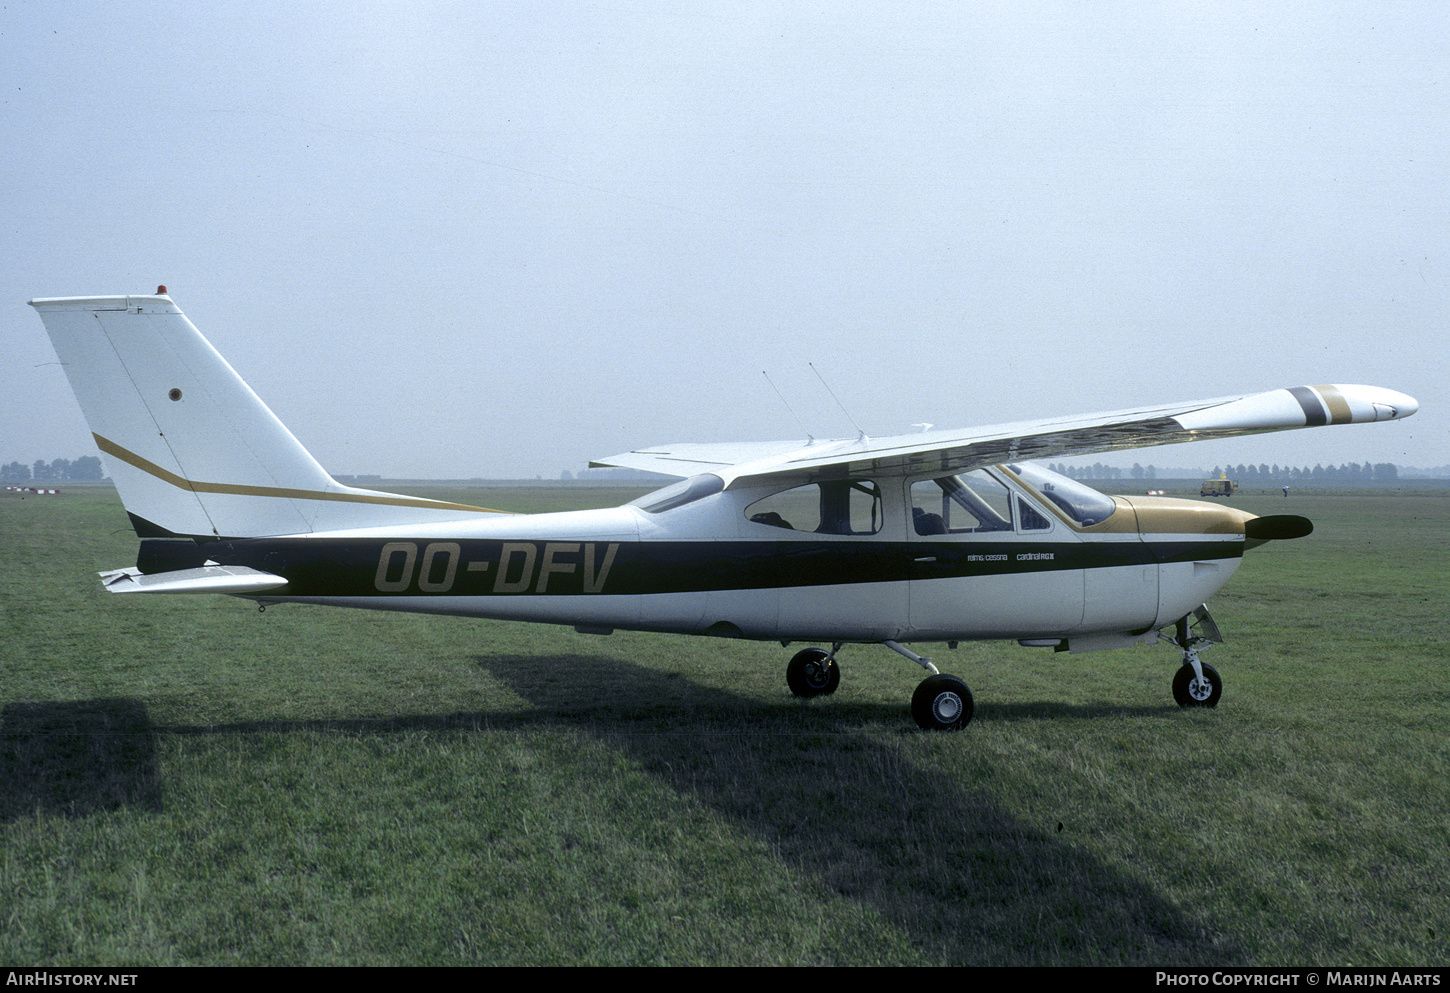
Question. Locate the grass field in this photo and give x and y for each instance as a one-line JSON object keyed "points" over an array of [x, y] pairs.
{"points": [[188, 781]]}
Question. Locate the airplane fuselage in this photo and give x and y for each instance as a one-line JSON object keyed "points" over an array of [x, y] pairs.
{"points": [[705, 567]]}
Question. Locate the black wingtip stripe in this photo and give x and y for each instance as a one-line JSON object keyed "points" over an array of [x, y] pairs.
{"points": [[1314, 414]]}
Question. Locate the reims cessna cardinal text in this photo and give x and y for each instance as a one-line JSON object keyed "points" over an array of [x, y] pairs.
{"points": [[936, 536]]}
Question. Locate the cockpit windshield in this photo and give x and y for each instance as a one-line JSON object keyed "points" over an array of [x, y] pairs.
{"points": [[1080, 502], [679, 494]]}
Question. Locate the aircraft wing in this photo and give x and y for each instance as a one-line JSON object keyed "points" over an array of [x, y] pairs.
{"points": [[1084, 434]]}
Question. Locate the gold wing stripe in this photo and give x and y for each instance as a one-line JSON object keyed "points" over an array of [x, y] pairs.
{"points": [[1338, 406]]}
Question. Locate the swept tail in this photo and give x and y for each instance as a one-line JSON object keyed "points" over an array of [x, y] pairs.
{"points": [[192, 450]]}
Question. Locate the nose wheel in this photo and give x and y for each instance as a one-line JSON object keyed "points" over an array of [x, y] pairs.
{"points": [[1193, 690]]}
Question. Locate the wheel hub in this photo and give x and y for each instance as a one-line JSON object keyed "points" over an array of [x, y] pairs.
{"points": [[947, 707]]}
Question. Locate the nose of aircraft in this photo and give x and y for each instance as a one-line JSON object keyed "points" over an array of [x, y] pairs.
{"points": [[1170, 515], [1166, 515]]}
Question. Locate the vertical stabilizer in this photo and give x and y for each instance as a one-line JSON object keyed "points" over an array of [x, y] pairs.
{"points": [[192, 450]]}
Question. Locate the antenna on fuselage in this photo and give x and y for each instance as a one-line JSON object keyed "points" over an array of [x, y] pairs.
{"points": [[860, 435], [810, 438]]}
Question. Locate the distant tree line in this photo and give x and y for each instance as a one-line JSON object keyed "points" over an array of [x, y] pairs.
{"points": [[1099, 471], [86, 469], [1346, 472], [1350, 472]]}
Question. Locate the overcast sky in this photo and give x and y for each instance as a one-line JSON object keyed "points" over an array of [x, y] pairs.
{"points": [[499, 239]]}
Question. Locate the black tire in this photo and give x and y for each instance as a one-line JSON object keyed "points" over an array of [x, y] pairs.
{"points": [[1189, 692], [813, 673], [942, 703]]}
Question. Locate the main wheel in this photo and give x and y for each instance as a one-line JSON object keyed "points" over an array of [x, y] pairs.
{"points": [[813, 673], [942, 703], [1190, 691]]}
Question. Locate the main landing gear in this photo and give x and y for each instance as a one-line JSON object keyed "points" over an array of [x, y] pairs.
{"points": [[1195, 684], [940, 703], [814, 672]]}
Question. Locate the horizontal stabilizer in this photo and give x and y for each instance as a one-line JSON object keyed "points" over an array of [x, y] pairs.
{"points": [[234, 579]]}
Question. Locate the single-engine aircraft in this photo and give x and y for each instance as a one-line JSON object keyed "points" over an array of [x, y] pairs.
{"points": [[938, 536]]}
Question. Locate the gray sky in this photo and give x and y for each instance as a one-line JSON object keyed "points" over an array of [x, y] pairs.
{"points": [[499, 239]]}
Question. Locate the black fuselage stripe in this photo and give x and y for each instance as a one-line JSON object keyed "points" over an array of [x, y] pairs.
{"points": [[337, 567]]}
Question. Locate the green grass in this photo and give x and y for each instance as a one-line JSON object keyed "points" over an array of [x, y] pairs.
{"points": [[187, 781]]}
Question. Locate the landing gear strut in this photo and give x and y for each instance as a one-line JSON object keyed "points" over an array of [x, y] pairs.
{"points": [[941, 702], [1195, 684]]}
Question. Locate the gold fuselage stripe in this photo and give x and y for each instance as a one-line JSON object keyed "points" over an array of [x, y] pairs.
{"points": [[279, 492]]}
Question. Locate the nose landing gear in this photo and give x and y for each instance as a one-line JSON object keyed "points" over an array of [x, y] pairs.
{"points": [[1195, 684]]}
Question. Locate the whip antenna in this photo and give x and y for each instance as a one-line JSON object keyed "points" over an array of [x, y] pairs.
{"points": [[810, 438], [860, 435]]}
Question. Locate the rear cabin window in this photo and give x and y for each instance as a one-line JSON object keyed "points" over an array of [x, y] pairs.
{"points": [[837, 506]]}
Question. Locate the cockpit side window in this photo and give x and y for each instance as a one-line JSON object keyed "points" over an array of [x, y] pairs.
{"points": [[973, 501], [1029, 518], [836, 506]]}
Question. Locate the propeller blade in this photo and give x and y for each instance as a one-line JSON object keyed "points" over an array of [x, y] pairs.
{"points": [[1278, 527]]}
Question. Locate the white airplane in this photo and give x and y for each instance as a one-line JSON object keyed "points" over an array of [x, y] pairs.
{"points": [[938, 536]]}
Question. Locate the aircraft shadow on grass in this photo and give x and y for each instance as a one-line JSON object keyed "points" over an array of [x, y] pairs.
{"points": [[611, 696], [934, 856], [75, 758]]}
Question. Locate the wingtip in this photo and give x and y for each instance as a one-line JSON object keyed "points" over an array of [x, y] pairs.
{"points": [[1404, 404], [1386, 405]]}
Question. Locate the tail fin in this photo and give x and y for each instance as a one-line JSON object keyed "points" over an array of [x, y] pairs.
{"points": [[192, 450]]}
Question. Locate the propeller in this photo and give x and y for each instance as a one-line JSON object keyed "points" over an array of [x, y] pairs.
{"points": [[1278, 527]]}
